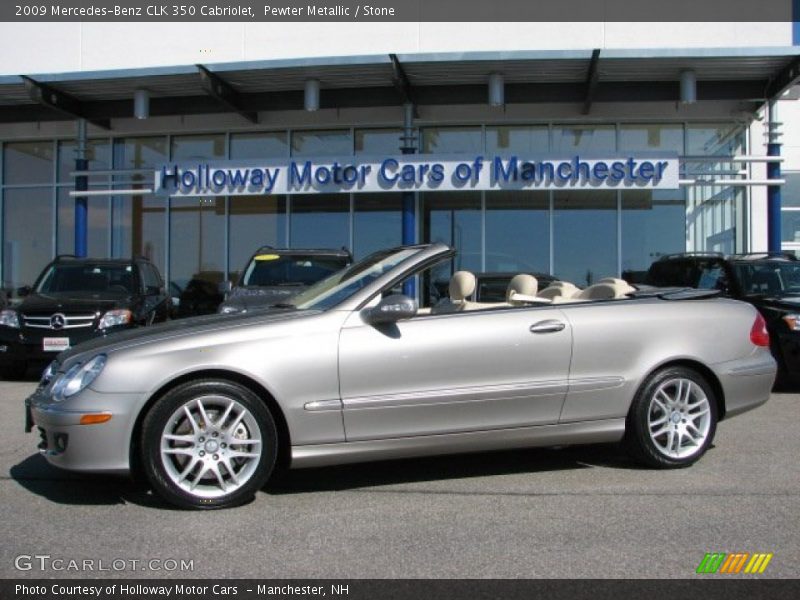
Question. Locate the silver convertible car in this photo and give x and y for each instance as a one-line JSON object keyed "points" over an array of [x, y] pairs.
{"points": [[353, 370]]}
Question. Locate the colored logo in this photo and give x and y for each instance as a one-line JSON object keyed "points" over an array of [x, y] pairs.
{"points": [[736, 562]]}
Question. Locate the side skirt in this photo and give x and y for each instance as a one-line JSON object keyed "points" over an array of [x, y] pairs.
{"points": [[586, 432]]}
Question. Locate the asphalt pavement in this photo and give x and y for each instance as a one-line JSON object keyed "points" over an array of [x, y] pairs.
{"points": [[568, 512]]}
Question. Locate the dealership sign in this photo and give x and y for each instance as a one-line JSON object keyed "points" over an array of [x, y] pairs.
{"points": [[418, 172]]}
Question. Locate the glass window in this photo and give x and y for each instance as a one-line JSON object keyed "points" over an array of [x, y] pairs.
{"points": [[379, 141], [28, 162], [651, 138], [138, 228], [518, 232], [452, 140], [715, 139], [98, 153], [203, 147], [585, 236], [790, 192], [790, 226], [259, 145], [322, 143], [502, 140], [320, 221], [653, 224], [255, 221], [150, 276], [453, 218], [377, 223], [197, 240], [588, 139], [98, 230], [139, 153], [27, 235]]}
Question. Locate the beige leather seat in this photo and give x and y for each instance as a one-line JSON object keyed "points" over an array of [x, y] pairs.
{"points": [[605, 289], [521, 285], [559, 290], [462, 286], [622, 286]]}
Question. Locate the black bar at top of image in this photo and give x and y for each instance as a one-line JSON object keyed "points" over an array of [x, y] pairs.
{"points": [[399, 10], [705, 587]]}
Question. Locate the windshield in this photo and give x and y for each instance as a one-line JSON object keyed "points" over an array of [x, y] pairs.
{"points": [[769, 278], [267, 270], [338, 287], [89, 278]]}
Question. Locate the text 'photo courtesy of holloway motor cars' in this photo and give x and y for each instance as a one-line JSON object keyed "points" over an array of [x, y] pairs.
{"points": [[353, 369]]}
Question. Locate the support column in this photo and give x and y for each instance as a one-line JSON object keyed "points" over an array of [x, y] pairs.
{"points": [[81, 202], [773, 172], [409, 209]]}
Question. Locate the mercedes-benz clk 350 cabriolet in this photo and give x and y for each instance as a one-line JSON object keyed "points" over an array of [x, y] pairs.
{"points": [[353, 370]]}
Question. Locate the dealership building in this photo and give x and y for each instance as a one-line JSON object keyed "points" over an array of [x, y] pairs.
{"points": [[524, 145]]}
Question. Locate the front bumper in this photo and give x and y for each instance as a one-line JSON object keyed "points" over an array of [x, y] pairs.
{"points": [[66, 443], [25, 345]]}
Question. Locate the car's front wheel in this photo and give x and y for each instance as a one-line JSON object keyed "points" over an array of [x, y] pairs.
{"points": [[208, 444], [672, 419]]}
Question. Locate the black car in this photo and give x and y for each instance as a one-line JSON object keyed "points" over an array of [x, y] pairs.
{"points": [[768, 281], [273, 275], [76, 299]]}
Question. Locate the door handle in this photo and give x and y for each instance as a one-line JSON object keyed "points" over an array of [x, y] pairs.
{"points": [[548, 326]]}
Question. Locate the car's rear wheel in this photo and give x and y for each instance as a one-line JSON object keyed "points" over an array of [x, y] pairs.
{"points": [[672, 420], [208, 444]]}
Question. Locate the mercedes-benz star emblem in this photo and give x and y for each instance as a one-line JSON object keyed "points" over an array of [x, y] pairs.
{"points": [[57, 321]]}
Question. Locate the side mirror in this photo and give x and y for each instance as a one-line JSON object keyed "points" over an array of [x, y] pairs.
{"points": [[392, 309], [225, 287], [23, 291]]}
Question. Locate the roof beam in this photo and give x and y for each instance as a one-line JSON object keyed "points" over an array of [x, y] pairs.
{"points": [[401, 83], [221, 90], [786, 78], [61, 102], [592, 79]]}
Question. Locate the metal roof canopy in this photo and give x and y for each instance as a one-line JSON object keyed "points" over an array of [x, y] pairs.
{"points": [[580, 76]]}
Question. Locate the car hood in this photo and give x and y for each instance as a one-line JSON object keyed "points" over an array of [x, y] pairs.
{"points": [[261, 297], [180, 328], [72, 302]]}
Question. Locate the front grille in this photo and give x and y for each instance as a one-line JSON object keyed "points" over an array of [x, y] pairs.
{"points": [[69, 321]]}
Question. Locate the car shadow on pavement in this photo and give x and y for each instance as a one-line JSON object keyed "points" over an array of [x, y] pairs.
{"points": [[442, 468], [63, 487]]}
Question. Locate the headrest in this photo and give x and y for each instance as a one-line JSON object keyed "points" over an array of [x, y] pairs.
{"points": [[524, 284], [462, 285], [599, 291]]}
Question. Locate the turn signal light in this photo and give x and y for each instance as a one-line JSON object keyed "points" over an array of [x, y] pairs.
{"points": [[758, 333], [95, 419]]}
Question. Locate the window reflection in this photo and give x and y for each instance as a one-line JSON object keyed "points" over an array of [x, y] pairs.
{"points": [[98, 154], [589, 139], [28, 162], [585, 236], [27, 235], [452, 140], [139, 153], [377, 223], [533, 140], [653, 225], [259, 145], [197, 240], [98, 225], [320, 221], [203, 147], [321, 143], [378, 141], [518, 232], [138, 228]]}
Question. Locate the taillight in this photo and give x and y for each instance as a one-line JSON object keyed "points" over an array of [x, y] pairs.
{"points": [[758, 332]]}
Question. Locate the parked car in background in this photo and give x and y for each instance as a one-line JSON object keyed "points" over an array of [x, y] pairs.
{"points": [[352, 371], [768, 281], [76, 299], [274, 275]]}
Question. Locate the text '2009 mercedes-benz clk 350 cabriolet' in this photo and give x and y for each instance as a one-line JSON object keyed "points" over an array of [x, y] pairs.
{"points": [[354, 370]]}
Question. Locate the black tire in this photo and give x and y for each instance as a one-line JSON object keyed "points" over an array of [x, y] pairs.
{"points": [[638, 440], [159, 416], [14, 371]]}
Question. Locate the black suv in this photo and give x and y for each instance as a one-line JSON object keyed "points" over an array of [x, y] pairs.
{"points": [[274, 275], [768, 281], [75, 299]]}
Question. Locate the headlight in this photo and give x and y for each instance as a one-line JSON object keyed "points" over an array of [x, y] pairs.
{"points": [[9, 318], [78, 378], [48, 373], [116, 317], [793, 321]]}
